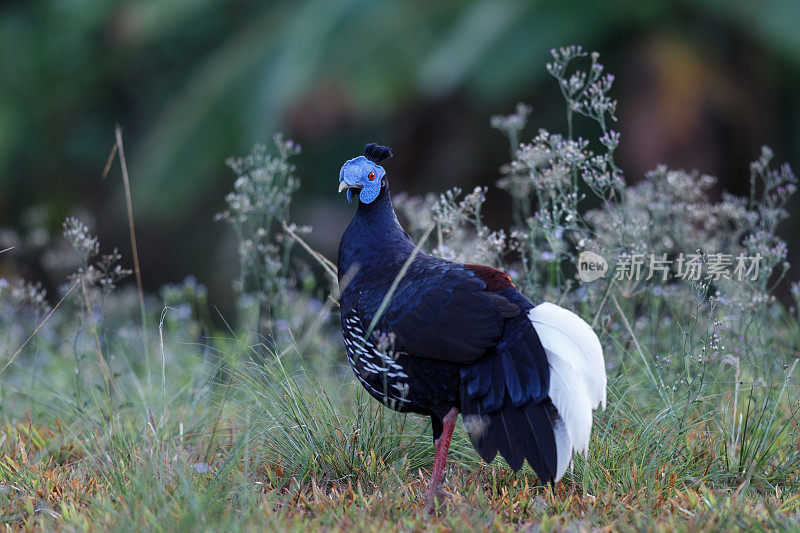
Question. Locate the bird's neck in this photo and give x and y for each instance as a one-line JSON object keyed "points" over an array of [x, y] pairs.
{"points": [[374, 237]]}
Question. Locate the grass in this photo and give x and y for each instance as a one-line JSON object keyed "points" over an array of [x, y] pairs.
{"points": [[222, 442]]}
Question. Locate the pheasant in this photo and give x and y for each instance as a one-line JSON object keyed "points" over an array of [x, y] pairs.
{"points": [[430, 336]]}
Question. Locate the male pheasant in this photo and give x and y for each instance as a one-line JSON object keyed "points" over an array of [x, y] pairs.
{"points": [[461, 337]]}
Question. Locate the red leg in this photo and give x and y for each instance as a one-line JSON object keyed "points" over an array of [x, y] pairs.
{"points": [[442, 447]]}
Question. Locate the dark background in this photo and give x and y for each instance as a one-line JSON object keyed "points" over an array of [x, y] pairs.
{"points": [[701, 84]]}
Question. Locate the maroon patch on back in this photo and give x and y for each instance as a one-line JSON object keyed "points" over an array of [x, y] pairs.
{"points": [[495, 280]]}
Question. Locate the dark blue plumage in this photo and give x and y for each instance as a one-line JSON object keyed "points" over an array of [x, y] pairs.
{"points": [[458, 341], [459, 337]]}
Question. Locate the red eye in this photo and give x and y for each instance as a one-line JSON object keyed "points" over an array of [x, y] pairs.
{"points": [[371, 176]]}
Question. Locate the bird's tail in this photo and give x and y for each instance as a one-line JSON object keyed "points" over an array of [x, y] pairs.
{"points": [[518, 433], [577, 378], [533, 398]]}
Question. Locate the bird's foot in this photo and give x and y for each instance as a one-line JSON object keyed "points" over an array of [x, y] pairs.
{"points": [[437, 500]]}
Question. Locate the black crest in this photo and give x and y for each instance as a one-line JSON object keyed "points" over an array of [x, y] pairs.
{"points": [[376, 153]]}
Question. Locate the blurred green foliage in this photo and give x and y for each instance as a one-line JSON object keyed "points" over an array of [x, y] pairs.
{"points": [[195, 81]]}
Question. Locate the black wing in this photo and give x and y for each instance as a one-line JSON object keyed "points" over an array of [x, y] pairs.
{"points": [[441, 310]]}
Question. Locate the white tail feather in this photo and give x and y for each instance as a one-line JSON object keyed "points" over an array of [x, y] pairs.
{"points": [[563, 449], [571, 400], [577, 376]]}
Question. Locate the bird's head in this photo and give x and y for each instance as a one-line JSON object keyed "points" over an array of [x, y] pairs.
{"points": [[364, 174]]}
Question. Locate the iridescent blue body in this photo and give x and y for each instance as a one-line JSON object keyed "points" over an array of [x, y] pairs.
{"points": [[458, 336]]}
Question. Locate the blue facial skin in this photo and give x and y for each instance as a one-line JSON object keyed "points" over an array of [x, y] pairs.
{"points": [[355, 173]]}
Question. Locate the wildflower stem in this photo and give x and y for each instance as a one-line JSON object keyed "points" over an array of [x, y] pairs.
{"points": [[107, 377], [326, 263], [400, 275], [650, 373], [134, 250], [35, 331], [163, 365]]}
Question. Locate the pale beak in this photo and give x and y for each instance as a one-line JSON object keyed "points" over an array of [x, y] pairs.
{"points": [[344, 185]]}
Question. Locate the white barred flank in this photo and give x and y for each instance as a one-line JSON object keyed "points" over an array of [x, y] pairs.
{"points": [[367, 361], [577, 377]]}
